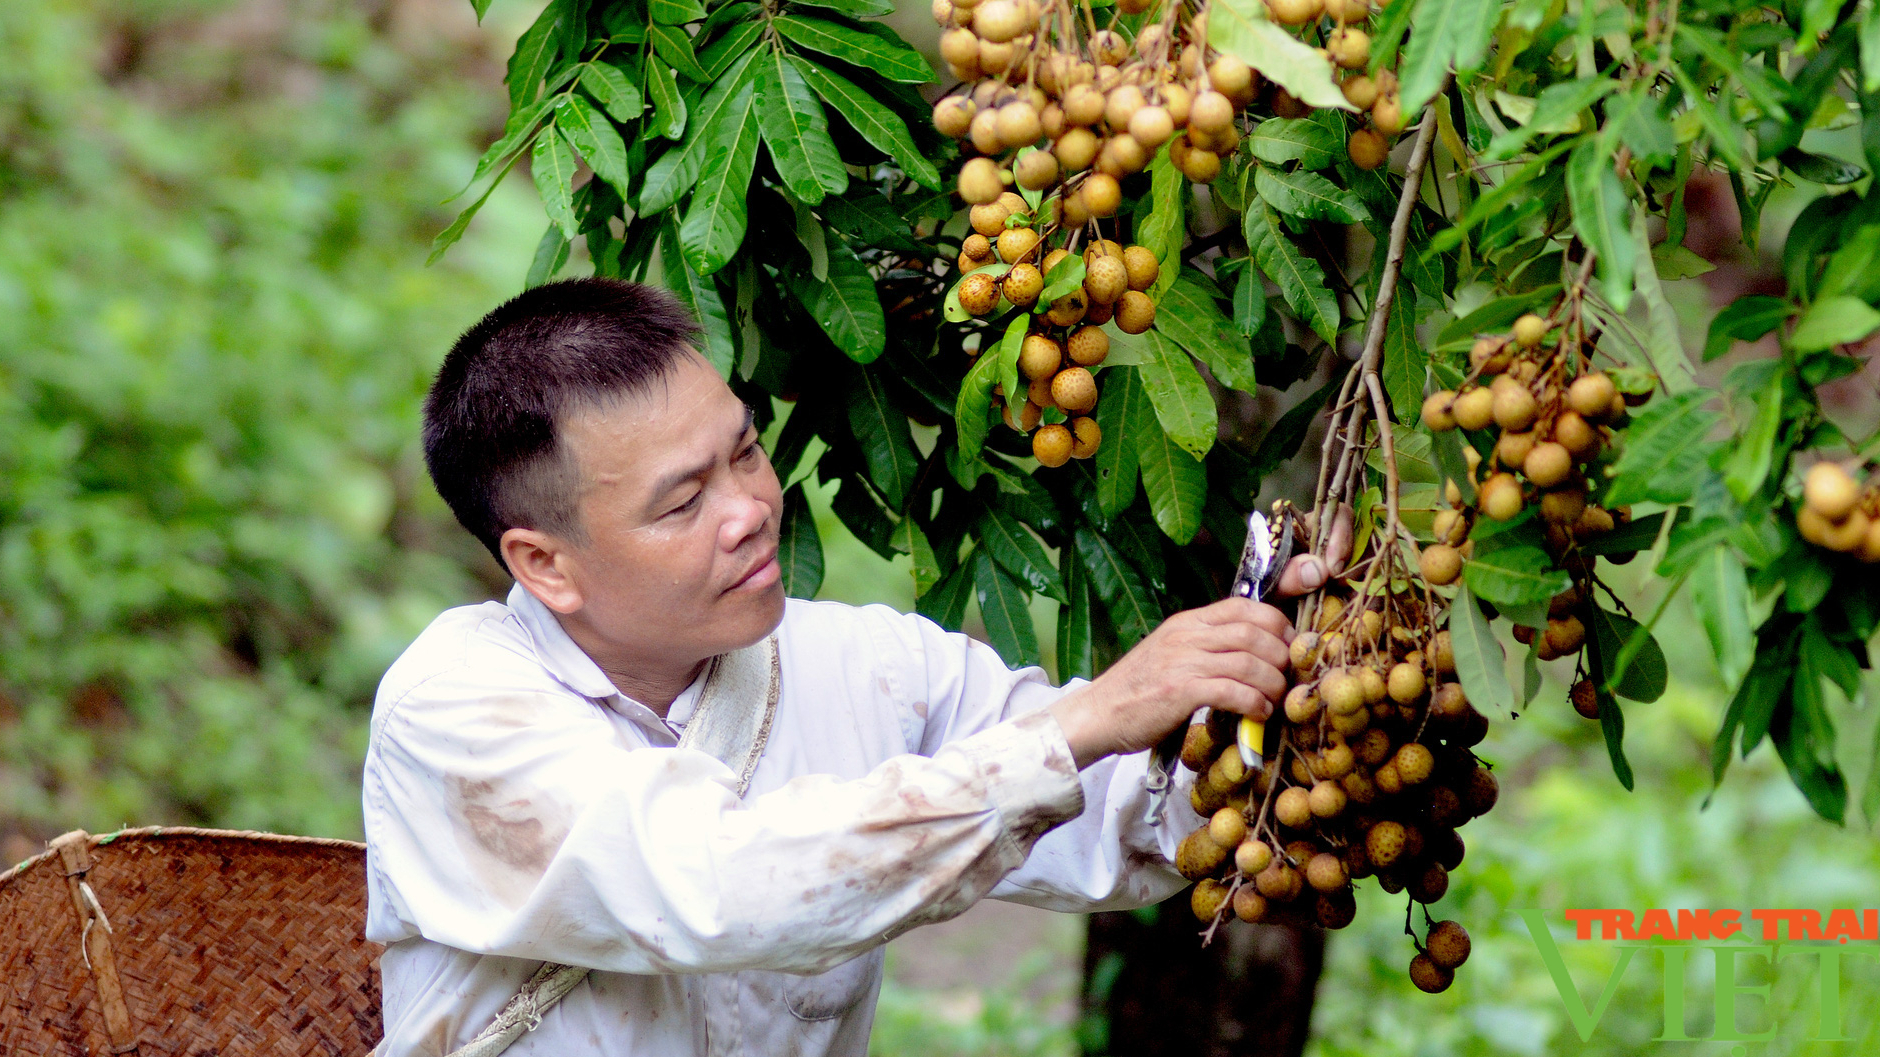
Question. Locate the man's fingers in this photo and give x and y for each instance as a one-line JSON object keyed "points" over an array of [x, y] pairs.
{"points": [[1244, 638], [1308, 572], [1246, 669], [1246, 611], [1230, 695]]}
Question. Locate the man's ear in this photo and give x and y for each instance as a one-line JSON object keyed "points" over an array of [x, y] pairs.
{"points": [[544, 566]]}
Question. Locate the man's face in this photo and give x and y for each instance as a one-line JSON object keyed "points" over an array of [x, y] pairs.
{"points": [[682, 511]]}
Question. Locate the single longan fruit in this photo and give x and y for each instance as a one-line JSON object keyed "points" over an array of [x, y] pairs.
{"points": [[1016, 244], [1304, 651], [999, 20], [1201, 166], [1591, 394], [1198, 855], [1249, 904], [1429, 884], [1102, 195], [1475, 409], [1348, 10], [1023, 416], [1211, 112], [1019, 124], [1482, 792], [1121, 104], [980, 181], [1565, 635], [1051, 445], [1429, 977], [1135, 313], [1279, 882], [1069, 310], [979, 293], [1294, 12], [1331, 611], [960, 46], [1501, 495], [1325, 872], [1327, 799], [1208, 899], [1585, 698], [1252, 856], [1302, 703], [1529, 330], [1335, 910], [1830, 491], [1407, 683], [1293, 807], [1076, 149], [1442, 653], [1109, 47], [1384, 843], [1375, 688], [1198, 747], [1387, 113], [1387, 779], [1151, 126], [1142, 266], [1415, 763], [1105, 278], [989, 219], [1563, 506], [1039, 391], [1448, 944], [1229, 76], [1074, 390], [1513, 448], [1022, 285], [1083, 105], [1547, 465], [1037, 170], [1594, 521], [1088, 346], [1039, 357], [1448, 703], [953, 116], [1051, 118], [1349, 46], [1122, 155], [1440, 564], [1228, 827], [1343, 693], [1849, 535], [1374, 747], [1576, 435], [1439, 411], [1361, 92], [1367, 149], [1337, 761], [1515, 408]]}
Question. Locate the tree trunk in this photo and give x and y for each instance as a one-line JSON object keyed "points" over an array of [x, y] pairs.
{"points": [[1152, 990]]}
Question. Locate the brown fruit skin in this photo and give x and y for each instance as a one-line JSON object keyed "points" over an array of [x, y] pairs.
{"points": [[1591, 394], [1448, 703], [976, 247], [1367, 149], [1074, 390], [1249, 904], [1025, 419], [1415, 763], [1514, 408], [1039, 391], [1350, 47], [1407, 683], [1830, 491], [953, 116], [1548, 464], [1442, 653], [1585, 698], [1565, 635], [1135, 313], [1227, 827], [1869, 549], [1021, 286], [1325, 872], [1576, 435], [1252, 856], [1151, 126], [1086, 436], [1069, 310], [1482, 792], [1201, 166], [1211, 112], [1385, 843], [1501, 496], [1327, 799], [1429, 884], [1429, 977], [1293, 807], [1563, 507], [1387, 114], [1475, 409], [980, 181], [960, 46], [1335, 910], [1037, 170], [1105, 278], [1198, 855], [1076, 149], [1142, 266], [1207, 899], [1529, 330], [1039, 357], [1440, 564], [1448, 944], [979, 294], [1101, 194], [1016, 244], [1439, 411], [1360, 91], [1051, 445], [1198, 747], [1279, 882], [1374, 747]]}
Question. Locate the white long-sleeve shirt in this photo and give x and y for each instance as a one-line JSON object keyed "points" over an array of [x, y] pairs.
{"points": [[519, 810]]}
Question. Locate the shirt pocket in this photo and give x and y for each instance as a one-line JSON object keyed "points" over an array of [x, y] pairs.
{"points": [[826, 996]]}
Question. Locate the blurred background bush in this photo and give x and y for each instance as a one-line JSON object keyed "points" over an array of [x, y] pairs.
{"points": [[215, 530]]}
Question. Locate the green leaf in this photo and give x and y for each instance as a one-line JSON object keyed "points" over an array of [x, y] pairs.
{"points": [[1131, 607], [1720, 594], [1010, 345], [1308, 195], [799, 546], [1748, 466], [1300, 279], [1175, 480], [852, 8], [1645, 678], [1406, 362], [1076, 634], [881, 432], [448, 237], [736, 43], [1240, 28], [791, 117], [881, 127], [1004, 537], [714, 223], [1007, 616], [1311, 143], [553, 169], [516, 133], [675, 12], [1444, 32], [847, 307], [1834, 321], [596, 140], [534, 54], [896, 63], [945, 605], [611, 89], [1515, 575], [1663, 452], [1747, 318], [972, 412], [1249, 300], [1664, 345], [1189, 316], [1064, 276], [1479, 664], [1556, 109], [673, 45], [922, 563], [1122, 399], [1602, 216], [1162, 232], [700, 295], [1181, 399], [550, 254], [668, 106]]}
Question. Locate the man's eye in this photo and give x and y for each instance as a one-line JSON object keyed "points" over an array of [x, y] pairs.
{"points": [[750, 452], [688, 504]]}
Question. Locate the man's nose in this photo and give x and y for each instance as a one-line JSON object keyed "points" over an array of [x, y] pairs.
{"points": [[747, 517]]}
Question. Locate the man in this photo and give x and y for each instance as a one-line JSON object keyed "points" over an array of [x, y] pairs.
{"points": [[525, 801]]}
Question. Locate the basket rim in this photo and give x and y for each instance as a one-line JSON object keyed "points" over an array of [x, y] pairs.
{"points": [[148, 832]]}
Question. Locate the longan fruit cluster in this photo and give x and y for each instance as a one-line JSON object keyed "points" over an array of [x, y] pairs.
{"points": [[1840, 513], [1373, 775]]}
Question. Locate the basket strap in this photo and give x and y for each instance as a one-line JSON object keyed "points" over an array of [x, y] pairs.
{"points": [[94, 940], [732, 722]]}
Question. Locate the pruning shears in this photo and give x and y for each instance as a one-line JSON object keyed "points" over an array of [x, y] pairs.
{"points": [[1269, 546]]}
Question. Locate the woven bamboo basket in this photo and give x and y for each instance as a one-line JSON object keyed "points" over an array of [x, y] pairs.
{"points": [[188, 941]]}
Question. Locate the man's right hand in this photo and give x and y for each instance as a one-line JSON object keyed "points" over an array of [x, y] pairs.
{"points": [[1231, 655]]}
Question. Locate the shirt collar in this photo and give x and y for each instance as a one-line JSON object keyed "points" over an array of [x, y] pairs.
{"points": [[569, 663]]}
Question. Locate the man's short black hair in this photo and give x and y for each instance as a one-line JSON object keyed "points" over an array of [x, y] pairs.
{"points": [[491, 420]]}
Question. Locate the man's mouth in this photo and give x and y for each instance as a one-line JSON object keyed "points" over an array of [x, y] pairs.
{"points": [[761, 575]]}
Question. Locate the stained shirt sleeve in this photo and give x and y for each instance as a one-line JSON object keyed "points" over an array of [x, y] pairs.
{"points": [[505, 817], [1108, 857]]}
